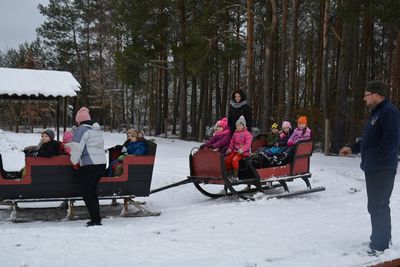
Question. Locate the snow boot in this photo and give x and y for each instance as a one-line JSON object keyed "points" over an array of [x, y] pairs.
{"points": [[234, 176]]}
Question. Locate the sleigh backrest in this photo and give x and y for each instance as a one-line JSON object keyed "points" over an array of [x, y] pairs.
{"points": [[258, 141], [207, 163], [301, 157]]}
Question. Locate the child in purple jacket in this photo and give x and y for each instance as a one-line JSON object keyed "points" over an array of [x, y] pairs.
{"points": [[301, 133], [221, 138]]}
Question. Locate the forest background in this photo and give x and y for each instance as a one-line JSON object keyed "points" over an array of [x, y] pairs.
{"points": [[172, 65]]}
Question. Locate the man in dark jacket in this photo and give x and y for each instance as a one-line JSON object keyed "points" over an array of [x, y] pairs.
{"points": [[379, 149]]}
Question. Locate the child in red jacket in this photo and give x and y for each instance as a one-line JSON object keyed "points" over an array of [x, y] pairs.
{"points": [[239, 147]]}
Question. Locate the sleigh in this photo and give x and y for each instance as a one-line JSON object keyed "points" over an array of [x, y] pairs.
{"points": [[207, 169], [53, 179]]}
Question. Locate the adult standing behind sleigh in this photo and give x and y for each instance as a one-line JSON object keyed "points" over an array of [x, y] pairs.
{"points": [[239, 107], [88, 157], [379, 149]]}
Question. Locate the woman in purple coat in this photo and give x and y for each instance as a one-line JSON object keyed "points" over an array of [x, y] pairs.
{"points": [[221, 138]]}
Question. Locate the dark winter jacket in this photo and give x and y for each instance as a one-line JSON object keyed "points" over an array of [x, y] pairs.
{"points": [[272, 139], [284, 137], [49, 149], [379, 145], [238, 109]]}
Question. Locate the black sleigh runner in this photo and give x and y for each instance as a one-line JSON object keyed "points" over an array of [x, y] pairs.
{"points": [[52, 179], [207, 169]]}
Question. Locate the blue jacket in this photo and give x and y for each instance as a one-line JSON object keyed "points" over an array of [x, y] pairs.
{"points": [[379, 145], [136, 148]]}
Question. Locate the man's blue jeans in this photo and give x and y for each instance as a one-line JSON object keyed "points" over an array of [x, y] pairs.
{"points": [[379, 189]]}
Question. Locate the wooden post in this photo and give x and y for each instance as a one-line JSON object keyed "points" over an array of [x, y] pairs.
{"points": [[65, 113], [71, 210], [327, 137], [166, 127], [58, 118]]}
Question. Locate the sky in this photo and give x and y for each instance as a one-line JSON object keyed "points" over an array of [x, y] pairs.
{"points": [[18, 22]]}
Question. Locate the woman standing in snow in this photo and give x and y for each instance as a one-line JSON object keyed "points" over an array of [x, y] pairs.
{"points": [[88, 157]]}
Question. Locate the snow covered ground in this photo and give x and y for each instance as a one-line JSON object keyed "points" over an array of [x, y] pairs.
{"points": [[329, 228]]}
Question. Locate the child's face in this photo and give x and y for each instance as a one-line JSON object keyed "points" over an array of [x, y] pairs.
{"points": [[286, 129], [45, 138], [132, 138], [219, 128], [301, 125], [239, 127], [274, 130]]}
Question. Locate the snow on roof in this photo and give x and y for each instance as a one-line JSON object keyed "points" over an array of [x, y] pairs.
{"points": [[37, 82]]}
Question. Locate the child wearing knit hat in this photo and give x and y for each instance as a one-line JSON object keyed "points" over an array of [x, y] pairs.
{"points": [[82, 115], [221, 137], [281, 144], [66, 143], [273, 136], [239, 147], [47, 148], [301, 133]]}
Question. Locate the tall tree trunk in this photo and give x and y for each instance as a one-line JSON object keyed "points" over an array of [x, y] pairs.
{"points": [[202, 104], [283, 61], [396, 72], [344, 70], [182, 69], [159, 117], [163, 58], [250, 49], [176, 104], [225, 89], [237, 76], [357, 91], [193, 108], [293, 60], [268, 67], [218, 104], [324, 68]]}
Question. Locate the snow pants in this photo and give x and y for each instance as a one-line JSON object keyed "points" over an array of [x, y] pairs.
{"points": [[379, 189], [89, 176], [232, 161]]}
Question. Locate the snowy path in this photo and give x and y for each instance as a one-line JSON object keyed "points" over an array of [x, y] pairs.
{"points": [[321, 229]]}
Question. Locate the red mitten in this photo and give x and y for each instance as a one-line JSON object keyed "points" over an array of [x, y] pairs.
{"points": [[290, 143]]}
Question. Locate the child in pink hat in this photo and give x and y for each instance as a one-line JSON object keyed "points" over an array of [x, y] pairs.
{"points": [[67, 139], [221, 138]]}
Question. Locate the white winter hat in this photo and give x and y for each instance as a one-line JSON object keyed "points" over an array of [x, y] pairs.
{"points": [[241, 120]]}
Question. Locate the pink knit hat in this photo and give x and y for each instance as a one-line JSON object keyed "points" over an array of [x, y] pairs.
{"points": [[286, 124], [67, 136], [223, 122], [82, 115]]}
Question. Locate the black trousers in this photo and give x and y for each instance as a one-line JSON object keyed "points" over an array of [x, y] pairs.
{"points": [[379, 189], [89, 176]]}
